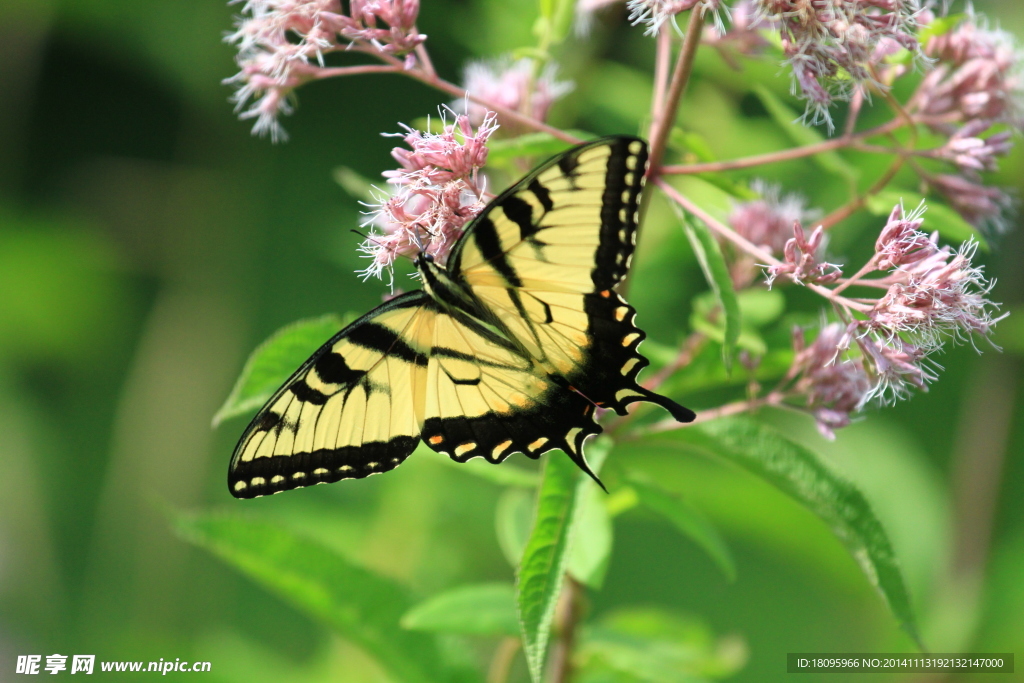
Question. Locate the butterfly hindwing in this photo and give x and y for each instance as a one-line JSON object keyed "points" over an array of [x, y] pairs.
{"points": [[353, 409], [484, 398]]}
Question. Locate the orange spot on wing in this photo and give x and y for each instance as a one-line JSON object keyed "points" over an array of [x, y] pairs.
{"points": [[606, 293], [436, 439]]}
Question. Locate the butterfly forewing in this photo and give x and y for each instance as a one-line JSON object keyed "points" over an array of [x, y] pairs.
{"points": [[543, 259], [354, 409]]}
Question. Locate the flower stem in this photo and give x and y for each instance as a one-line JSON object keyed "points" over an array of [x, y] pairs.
{"points": [[717, 226], [437, 82], [785, 154], [661, 126], [774, 398], [661, 61], [570, 609], [330, 72], [424, 57], [501, 662], [867, 268], [852, 206]]}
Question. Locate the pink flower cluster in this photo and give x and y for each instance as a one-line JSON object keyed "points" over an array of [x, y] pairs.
{"points": [[832, 45], [832, 387], [744, 35], [281, 45], [977, 76], [513, 85], [933, 292], [932, 295], [768, 221], [654, 13], [802, 259], [975, 85], [438, 190]]}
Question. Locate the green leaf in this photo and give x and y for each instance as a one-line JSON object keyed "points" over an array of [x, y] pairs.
{"points": [[946, 220], [357, 186], [274, 361], [759, 307], [555, 20], [689, 521], [513, 520], [694, 145], [546, 556], [592, 539], [939, 26], [480, 609], [654, 646], [788, 121], [504, 473], [709, 255], [361, 606], [800, 474], [1009, 334], [505, 150]]}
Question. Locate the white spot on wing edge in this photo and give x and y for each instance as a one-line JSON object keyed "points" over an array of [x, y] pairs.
{"points": [[622, 394], [629, 365], [570, 438], [500, 449]]}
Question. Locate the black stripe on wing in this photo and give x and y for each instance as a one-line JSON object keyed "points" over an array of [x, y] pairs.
{"points": [[608, 378], [273, 474], [620, 207], [559, 418]]}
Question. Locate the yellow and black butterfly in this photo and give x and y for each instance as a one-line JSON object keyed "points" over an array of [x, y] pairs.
{"points": [[510, 348]]}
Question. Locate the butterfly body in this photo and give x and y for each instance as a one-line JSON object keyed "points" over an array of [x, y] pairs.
{"points": [[510, 346]]}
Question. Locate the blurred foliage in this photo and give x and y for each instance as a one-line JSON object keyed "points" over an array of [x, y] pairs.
{"points": [[148, 244]]}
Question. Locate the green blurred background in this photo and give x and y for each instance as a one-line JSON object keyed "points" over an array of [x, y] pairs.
{"points": [[148, 243]]}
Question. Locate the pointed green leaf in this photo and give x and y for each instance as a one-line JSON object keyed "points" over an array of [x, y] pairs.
{"points": [[356, 185], [592, 539], [694, 146], [689, 521], [361, 606], [546, 556], [274, 361], [505, 150], [800, 474], [487, 609], [788, 121], [939, 26], [504, 474], [513, 521], [709, 255], [652, 646]]}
